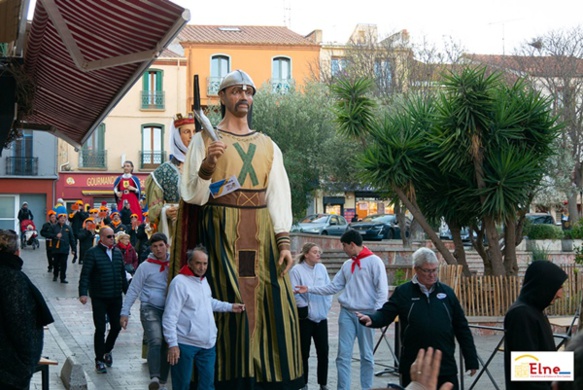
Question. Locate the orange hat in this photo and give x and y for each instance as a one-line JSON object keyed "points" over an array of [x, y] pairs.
{"points": [[61, 215], [145, 214], [79, 202], [51, 212], [103, 208], [114, 213], [87, 221], [93, 211], [134, 215]]}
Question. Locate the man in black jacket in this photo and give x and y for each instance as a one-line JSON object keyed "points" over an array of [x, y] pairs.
{"points": [[526, 326], [430, 315], [47, 233], [103, 277], [63, 242]]}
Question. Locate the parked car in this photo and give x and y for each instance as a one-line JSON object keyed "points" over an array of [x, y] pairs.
{"points": [[379, 226], [540, 218], [464, 233], [324, 224]]}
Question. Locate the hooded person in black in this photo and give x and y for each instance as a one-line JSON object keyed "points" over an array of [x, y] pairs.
{"points": [[526, 326]]}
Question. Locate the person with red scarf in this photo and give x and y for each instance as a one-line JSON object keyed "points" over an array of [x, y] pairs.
{"points": [[149, 285], [364, 286], [189, 325], [130, 257], [127, 187]]}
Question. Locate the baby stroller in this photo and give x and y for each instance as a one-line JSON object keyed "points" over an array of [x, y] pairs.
{"points": [[29, 234]]}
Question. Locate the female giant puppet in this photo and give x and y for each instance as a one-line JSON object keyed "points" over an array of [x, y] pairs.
{"points": [[246, 232], [127, 187]]}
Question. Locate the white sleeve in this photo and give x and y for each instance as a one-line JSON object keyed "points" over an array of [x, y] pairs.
{"points": [[381, 285], [295, 278], [278, 194], [133, 292], [171, 313], [193, 189]]}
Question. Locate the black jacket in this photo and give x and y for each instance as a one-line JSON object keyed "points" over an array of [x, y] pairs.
{"points": [[47, 232], [526, 327], [76, 220], [86, 239], [102, 277], [23, 313], [25, 214], [429, 322], [66, 243], [126, 216]]}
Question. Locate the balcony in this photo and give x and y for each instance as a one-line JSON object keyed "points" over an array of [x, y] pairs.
{"points": [[213, 84], [153, 100], [93, 159], [281, 86], [150, 159], [21, 166]]}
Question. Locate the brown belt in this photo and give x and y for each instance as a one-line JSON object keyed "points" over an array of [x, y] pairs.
{"points": [[253, 199]]}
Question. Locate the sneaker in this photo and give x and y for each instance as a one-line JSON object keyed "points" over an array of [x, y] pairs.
{"points": [[64, 281], [108, 359], [154, 384], [100, 367]]}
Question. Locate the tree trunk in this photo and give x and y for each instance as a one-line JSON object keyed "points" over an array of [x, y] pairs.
{"points": [[459, 252], [510, 261], [494, 252], [418, 215], [573, 211]]}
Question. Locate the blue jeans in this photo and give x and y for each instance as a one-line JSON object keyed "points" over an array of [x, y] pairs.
{"points": [[348, 329], [205, 364], [151, 318]]}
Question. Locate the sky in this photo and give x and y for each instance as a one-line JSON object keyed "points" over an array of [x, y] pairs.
{"points": [[481, 27]]}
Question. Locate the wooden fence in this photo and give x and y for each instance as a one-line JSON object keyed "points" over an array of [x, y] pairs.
{"points": [[491, 296]]}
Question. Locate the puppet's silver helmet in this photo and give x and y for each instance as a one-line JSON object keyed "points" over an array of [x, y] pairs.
{"points": [[237, 77]]}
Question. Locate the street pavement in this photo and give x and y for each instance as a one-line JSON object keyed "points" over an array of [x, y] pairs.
{"points": [[72, 335]]}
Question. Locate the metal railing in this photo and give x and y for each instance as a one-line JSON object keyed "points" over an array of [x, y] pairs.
{"points": [[92, 158], [153, 100], [151, 159], [22, 166]]}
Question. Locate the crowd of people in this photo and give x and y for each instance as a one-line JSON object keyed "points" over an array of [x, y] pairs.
{"points": [[222, 302]]}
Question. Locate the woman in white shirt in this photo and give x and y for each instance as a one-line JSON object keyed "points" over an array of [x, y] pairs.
{"points": [[313, 309]]}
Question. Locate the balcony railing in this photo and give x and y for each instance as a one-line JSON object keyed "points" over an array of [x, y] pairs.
{"points": [[281, 86], [22, 166], [151, 159], [92, 158], [153, 100], [213, 85]]}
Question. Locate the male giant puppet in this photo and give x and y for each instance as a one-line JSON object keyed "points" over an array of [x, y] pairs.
{"points": [[245, 226], [163, 185]]}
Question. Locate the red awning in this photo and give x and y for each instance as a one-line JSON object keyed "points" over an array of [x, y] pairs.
{"points": [[83, 56]]}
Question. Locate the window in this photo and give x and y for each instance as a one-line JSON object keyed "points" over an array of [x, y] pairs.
{"points": [[152, 91], [93, 153], [337, 66], [220, 67], [22, 162], [281, 75], [382, 71], [152, 146]]}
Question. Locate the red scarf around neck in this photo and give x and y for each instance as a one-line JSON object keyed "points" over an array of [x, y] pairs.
{"points": [[163, 264], [365, 252], [185, 270]]}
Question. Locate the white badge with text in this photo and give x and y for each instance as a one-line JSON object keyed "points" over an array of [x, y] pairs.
{"points": [[224, 187], [542, 366]]}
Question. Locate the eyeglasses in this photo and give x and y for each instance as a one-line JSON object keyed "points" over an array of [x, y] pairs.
{"points": [[428, 271], [110, 236]]}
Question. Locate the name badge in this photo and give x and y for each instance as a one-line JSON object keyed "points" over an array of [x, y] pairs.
{"points": [[224, 187], [441, 296]]}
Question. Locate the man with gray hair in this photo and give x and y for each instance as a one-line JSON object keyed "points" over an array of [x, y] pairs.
{"points": [[430, 315]]}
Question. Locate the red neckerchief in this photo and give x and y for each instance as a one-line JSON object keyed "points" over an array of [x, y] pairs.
{"points": [[185, 270], [162, 264], [121, 245], [107, 246], [365, 252]]}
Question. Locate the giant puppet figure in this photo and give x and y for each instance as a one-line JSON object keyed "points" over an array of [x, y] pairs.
{"points": [[163, 185], [245, 225], [127, 187]]}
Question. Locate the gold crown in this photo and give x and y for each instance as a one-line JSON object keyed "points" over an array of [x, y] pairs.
{"points": [[180, 121]]}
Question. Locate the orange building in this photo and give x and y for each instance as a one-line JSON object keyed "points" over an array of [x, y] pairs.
{"points": [[273, 56]]}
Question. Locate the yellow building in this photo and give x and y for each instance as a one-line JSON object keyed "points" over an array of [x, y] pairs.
{"points": [[273, 56]]}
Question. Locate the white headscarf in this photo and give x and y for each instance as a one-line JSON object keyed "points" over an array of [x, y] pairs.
{"points": [[177, 147]]}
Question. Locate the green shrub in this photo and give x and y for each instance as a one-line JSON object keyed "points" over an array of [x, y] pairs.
{"points": [[539, 253], [577, 230], [543, 232]]}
